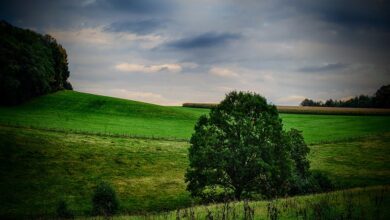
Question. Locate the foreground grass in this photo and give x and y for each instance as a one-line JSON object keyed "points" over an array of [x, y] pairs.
{"points": [[39, 168], [358, 203], [74, 111]]}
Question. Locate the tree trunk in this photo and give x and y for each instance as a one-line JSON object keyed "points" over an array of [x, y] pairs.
{"points": [[237, 193]]}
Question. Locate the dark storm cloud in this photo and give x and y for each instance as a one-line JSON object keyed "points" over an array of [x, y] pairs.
{"points": [[349, 13], [138, 27], [324, 68], [76, 13], [205, 40]]}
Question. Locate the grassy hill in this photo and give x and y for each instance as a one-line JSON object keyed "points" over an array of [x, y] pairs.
{"points": [[75, 111], [60, 146]]}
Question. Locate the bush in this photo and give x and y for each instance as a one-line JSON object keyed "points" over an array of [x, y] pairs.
{"points": [[63, 211], [321, 182], [104, 200], [242, 147]]}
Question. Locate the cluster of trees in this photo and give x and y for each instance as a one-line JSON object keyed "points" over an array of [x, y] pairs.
{"points": [[381, 99], [241, 151], [31, 64]]}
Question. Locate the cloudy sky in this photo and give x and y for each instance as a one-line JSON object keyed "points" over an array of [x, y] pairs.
{"points": [[174, 51]]}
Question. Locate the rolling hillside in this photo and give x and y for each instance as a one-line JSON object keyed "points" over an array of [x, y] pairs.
{"points": [[60, 146], [81, 112]]}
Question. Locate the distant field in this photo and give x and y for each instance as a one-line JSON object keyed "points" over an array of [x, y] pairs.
{"points": [[309, 109], [332, 110], [74, 111], [38, 168]]}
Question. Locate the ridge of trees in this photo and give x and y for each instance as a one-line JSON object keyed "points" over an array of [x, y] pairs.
{"points": [[381, 99], [31, 65]]}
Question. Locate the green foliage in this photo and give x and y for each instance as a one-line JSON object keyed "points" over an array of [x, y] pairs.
{"points": [[104, 200], [241, 146], [381, 99], [30, 65], [321, 182], [62, 211]]}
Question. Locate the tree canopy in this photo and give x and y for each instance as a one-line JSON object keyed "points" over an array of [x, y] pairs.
{"points": [[31, 64], [240, 150], [381, 99]]}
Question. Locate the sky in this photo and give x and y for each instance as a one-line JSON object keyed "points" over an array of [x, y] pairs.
{"points": [[173, 51]]}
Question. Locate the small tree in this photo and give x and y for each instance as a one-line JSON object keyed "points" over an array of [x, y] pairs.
{"points": [[241, 148], [104, 200]]}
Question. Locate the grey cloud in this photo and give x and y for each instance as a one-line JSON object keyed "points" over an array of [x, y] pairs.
{"points": [[275, 38], [138, 27], [324, 68], [138, 6], [205, 40]]}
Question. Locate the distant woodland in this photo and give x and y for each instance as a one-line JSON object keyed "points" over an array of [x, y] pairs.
{"points": [[381, 99], [31, 64]]}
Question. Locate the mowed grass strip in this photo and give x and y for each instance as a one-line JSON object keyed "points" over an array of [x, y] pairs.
{"points": [[39, 168], [87, 113]]}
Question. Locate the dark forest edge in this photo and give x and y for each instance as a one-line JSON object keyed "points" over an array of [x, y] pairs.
{"points": [[31, 65], [381, 99]]}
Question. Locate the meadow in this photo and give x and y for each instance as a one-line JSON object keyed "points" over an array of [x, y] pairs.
{"points": [[59, 146], [39, 168], [87, 113]]}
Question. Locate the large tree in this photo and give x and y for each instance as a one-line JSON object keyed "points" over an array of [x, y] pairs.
{"points": [[240, 149]]}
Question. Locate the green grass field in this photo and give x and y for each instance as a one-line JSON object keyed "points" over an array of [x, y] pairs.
{"points": [[38, 168], [60, 146], [74, 111]]}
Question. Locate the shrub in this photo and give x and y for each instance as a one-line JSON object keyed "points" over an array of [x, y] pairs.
{"points": [[321, 182], [104, 200], [63, 211]]}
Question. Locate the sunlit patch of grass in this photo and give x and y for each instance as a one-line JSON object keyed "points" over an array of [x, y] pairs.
{"points": [[70, 111]]}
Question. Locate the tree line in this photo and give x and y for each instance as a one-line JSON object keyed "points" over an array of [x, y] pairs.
{"points": [[381, 99], [31, 65]]}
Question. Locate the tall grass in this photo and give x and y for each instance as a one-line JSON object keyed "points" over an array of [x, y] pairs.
{"points": [[358, 203]]}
